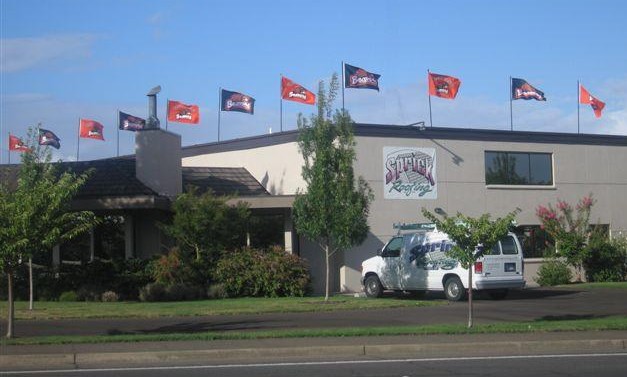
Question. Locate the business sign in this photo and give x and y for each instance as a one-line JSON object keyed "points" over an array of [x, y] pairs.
{"points": [[409, 173]]}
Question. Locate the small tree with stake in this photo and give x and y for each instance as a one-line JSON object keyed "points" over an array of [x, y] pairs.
{"points": [[334, 210], [468, 233]]}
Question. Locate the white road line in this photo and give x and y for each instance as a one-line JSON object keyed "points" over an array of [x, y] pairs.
{"points": [[312, 363]]}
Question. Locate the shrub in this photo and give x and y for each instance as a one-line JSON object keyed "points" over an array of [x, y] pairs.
{"points": [[182, 292], [152, 292], [89, 293], [554, 272], [110, 296], [605, 260], [257, 273], [68, 296], [171, 268], [217, 291]]}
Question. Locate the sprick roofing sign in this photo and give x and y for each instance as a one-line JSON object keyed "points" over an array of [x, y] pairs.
{"points": [[409, 173]]}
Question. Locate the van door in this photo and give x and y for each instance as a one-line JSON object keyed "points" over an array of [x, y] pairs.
{"points": [[504, 260], [413, 263], [390, 270]]}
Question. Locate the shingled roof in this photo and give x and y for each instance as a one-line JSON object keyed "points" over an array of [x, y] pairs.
{"points": [[116, 178]]}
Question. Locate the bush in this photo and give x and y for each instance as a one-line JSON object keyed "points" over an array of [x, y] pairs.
{"points": [[89, 293], [152, 292], [217, 291], [110, 296], [68, 296], [554, 272], [257, 273], [605, 260], [183, 292]]}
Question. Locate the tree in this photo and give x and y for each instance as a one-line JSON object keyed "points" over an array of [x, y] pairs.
{"points": [[37, 213], [204, 224], [334, 209], [468, 233]]}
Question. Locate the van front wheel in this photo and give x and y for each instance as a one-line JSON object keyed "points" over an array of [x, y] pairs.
{"points": [[373, 287], [454, 289]]}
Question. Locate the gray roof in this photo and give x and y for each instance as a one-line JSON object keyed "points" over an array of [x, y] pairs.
{"points": [[223, 181]]}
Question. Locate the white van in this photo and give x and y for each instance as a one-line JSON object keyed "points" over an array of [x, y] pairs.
{"points": [[417, 262]]}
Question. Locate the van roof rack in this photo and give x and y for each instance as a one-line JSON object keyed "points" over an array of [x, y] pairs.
{"points": [[414, 226]]}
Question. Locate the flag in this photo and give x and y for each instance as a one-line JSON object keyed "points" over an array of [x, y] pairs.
{"points": [[128, 122], [443, 86], [292, 91], [234, 101], [521, 89], [47, 137], [16, 144], [182, 113], [90, 129], [355, 77], [586, 98]]}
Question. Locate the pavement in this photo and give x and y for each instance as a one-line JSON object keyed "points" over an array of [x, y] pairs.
{"points": [[525, 305]]}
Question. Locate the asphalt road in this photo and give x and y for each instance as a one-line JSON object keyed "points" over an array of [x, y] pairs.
{"points": [[526, 305], [574, 365]]}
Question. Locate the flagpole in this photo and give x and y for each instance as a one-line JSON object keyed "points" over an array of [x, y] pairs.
{"points": [[343, 84], [167, 112], [511, 112], [78, 138], [281, 102], [118, 147], [9, 150], [429, 95], [578, 99], [219, 108]]}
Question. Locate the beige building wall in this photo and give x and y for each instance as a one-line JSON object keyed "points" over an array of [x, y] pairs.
{"points": [[460, 175]]}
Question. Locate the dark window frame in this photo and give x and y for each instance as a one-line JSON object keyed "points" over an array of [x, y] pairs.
{"points": [[508, 176]]}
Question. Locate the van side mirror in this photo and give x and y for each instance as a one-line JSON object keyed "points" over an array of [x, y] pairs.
{"points": [[379, 252]]}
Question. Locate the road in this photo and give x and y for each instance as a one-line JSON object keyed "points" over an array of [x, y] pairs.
{"points": [[574, 365], [527, 305]]}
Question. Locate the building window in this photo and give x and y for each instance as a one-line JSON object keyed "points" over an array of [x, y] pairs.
{"points": [[518, 168], [534, 240]]}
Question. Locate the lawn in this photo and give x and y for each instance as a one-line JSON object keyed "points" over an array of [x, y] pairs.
{"points": [[128, 309], [616, 285]]}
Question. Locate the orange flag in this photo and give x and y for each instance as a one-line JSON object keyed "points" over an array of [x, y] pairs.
{"points": [[292, 91], [586, 98], [443, 86], [90, 129]]}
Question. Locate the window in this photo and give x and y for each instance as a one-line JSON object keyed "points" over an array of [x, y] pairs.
{"points": [[518, 168], [508, 246], [393, 248]]}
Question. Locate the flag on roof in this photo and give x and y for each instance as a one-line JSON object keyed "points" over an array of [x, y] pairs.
{"points": [[521, 89], [16, 144], [586, 98], [292, 91], [359, 78], [90, 129], [443, 86], [234, 101], [183, 113], [128, 122], [47, 137]]}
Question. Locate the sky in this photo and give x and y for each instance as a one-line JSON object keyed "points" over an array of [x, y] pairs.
{"points": [[68, 59]]}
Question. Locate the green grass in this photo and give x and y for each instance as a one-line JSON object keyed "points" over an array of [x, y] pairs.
{"points": [[616, 285], [85, 310], [595, 324]]}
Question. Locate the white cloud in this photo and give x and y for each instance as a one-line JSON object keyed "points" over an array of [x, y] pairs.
{"points": [[19, 54]]}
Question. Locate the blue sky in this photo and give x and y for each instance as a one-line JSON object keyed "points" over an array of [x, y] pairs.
{"points": [[65, 59]]}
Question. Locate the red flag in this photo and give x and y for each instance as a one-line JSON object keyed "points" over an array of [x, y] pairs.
{"points": [[90, 129], [443, 86], [292, 91], [586, 98], [16, 144], [182, 113]]}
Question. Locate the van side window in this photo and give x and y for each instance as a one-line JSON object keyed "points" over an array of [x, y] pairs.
{"points": [[508, 245], [393, 248], [495, 250]]}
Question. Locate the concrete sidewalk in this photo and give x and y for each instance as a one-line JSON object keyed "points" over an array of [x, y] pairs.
{"points": [[112, 355]]}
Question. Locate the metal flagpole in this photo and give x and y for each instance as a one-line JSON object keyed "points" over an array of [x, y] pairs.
{"points": [[9, 151], [343, 85], [281, 102], [78, 138], [511, 112], [578, 100], [118, 148], [219, 109], [167, 112], [429, 95]]}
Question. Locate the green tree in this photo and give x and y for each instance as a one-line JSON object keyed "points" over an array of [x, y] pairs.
{"points": [[334, 209], [468, 233], [204, 224], [37, 212]]}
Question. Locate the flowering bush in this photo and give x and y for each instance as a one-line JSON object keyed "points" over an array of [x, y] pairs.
{"points": [[568, 227]]}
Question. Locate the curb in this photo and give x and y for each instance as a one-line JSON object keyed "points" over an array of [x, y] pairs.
{"points": [[117, 359]]}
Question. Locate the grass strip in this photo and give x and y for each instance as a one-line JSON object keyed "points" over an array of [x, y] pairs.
{"points": [[595, 324]]}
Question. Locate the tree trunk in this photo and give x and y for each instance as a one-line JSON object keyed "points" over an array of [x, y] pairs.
{"points": [[11, 312], [326, 294], [470, 272], [30, 283]]}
